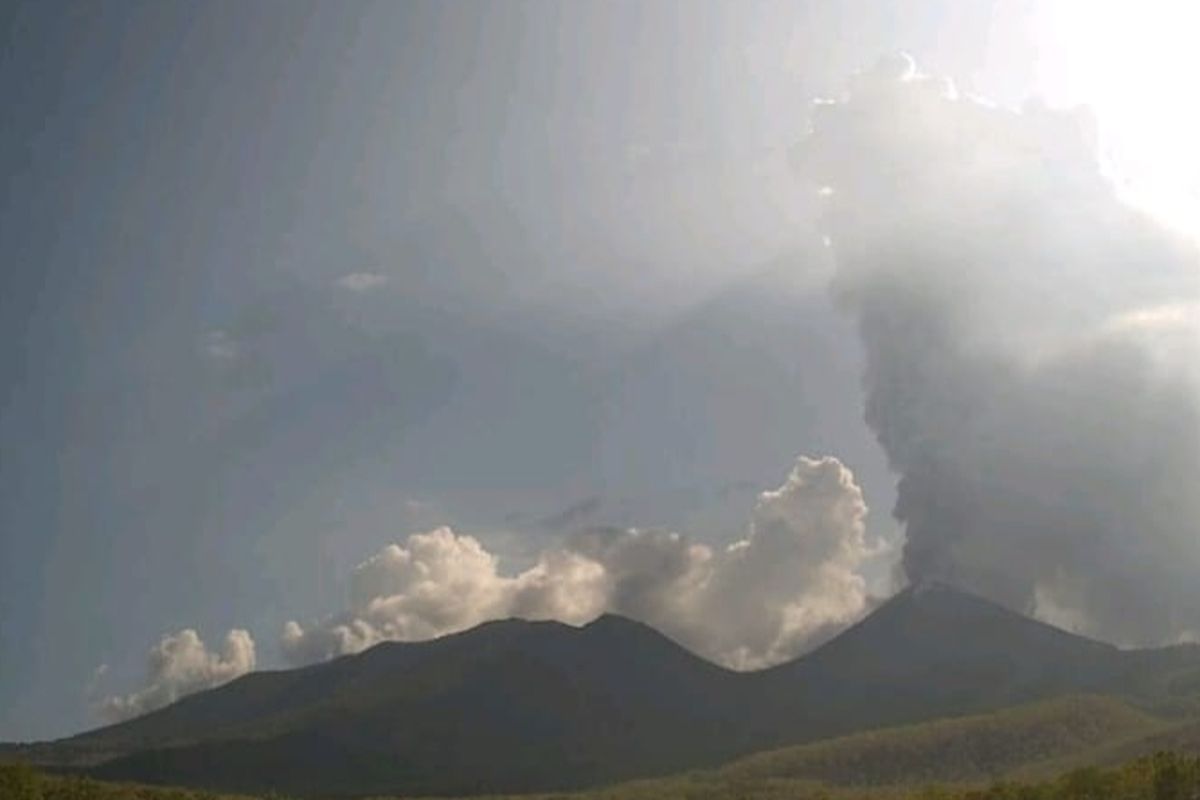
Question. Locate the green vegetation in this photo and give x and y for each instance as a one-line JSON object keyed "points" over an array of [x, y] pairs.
{"points": [[1013, 754], [515, 706], [1033, 740], [1071, 748], [1162, 776], [21, 782]]}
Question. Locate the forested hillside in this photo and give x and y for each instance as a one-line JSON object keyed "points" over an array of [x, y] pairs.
{"points": [[516, 706], [1162, 776]]}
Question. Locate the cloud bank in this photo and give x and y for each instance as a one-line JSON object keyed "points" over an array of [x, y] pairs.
{"points": [[1032, 351], [788, 583], [791, 580], [179, 665]]}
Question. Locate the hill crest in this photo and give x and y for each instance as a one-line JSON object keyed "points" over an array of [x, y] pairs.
{"points": [[517, 705]]}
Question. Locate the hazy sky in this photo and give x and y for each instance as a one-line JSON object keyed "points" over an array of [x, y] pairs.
{"points": [[287, 282]]}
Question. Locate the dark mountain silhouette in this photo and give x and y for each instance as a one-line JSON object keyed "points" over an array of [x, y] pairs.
{"points": [[934, 650], [506, 706], [523, 706]]}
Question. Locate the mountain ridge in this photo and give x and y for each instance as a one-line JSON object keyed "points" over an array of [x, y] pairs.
{"points": [[517, 705]]}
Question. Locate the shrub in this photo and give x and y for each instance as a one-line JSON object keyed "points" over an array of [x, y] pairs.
{"points": [[19, 782]]}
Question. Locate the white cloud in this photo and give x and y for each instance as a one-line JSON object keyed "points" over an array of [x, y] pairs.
{"points": [[796, 574], [218, 345], [760, 601], [362, 281], [792, 579], [438, 582], [178, 665]]}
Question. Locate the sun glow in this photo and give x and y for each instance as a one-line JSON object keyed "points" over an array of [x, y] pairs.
{"points": [[1136, 64]]}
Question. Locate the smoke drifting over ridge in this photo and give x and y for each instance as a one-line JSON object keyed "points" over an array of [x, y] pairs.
{"points": [[179, 665], [1032, 352], [792, 580]]}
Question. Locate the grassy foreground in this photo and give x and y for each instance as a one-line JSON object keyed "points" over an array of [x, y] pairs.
{"points": [[21, 782], [1071, 748], [1162, 776]]}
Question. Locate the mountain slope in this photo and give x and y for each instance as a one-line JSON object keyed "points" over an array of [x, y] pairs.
{"points": [[934, 651], [525, 706], [510, 705], [1034, 742], [398, 673], [979, 747]]}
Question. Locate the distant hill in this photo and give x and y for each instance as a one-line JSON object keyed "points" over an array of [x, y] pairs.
{"points": [[530, 706], [1160, 776], [1052, 744], [975, 748]]}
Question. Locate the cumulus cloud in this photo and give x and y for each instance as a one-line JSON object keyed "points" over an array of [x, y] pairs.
{"points": [[178, 665], [362, 281], [437, 582], [1031, 353], [795, 576], [792, 578], [766, 597]]}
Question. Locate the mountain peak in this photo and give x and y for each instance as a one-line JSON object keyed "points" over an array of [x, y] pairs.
{"points": [[611, 621], [935, 586], [935, 627], [519, 705], [949, 603], [939, 590]]}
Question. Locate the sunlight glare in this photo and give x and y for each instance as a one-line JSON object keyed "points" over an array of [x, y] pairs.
{"points": [[1135, 64]]}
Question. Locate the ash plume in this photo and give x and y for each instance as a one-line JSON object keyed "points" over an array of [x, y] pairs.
{"points": [[1031, 348]]}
